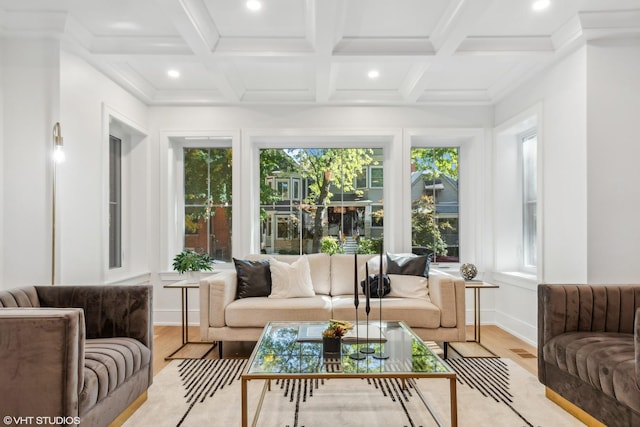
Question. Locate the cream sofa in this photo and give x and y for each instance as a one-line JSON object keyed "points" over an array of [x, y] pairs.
{"points": [[439, 316]]}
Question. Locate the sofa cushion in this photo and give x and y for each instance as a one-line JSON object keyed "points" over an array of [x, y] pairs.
{"points": [[404, 286], [254, 278], [342, 272], [319, 265], [109, 362], [415, 312], [408, 264], [257, 312], [606, 360], [291, 280]]}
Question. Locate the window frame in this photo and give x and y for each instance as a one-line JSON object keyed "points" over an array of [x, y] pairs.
{"points": [[135, 207], [469, 142], [115, 201], [256, 139], [172, 188], [526, 251]]}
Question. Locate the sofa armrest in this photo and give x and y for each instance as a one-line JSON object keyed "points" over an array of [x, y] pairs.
{"points": [[448, 293], [42, 353], [216, 292]]}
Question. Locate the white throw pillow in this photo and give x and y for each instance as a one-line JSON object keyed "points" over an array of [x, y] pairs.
{"points": [[291, 280], [408, 286]]}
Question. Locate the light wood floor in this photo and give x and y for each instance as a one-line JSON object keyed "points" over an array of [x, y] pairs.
{"points": [[503, 344]]}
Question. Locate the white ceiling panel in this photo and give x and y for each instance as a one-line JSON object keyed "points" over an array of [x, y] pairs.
{"points": [[273, 75], [193, 75], [121, 17], [354, 75], [319, 51], [467, 72], [277, 18], [398, 18]]}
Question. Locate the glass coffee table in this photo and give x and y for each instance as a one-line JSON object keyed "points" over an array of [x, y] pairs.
{"points": [[293, 350]]}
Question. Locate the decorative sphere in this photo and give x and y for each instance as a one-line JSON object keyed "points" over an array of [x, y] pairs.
{"points": [[468, 271]]}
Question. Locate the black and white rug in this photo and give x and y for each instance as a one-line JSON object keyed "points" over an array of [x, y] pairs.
{"points": [[491, 392]]}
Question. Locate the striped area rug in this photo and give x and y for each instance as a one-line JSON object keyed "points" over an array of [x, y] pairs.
{"points": [[491, 392]]}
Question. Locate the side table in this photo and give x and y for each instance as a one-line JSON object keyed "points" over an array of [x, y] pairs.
{"points": [[184, 286], [477, 286]]}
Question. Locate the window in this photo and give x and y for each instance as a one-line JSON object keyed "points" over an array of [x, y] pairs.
{"points": [[207, 201], [435, 207], [376, 177], [529, 200], [115, 202], [311, 194]]}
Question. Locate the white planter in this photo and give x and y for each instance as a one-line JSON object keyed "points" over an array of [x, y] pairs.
{"points": [[193, 276]]}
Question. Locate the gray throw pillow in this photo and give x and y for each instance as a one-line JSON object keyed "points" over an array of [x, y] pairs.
{"points": [[254, 278], [408, 264]]}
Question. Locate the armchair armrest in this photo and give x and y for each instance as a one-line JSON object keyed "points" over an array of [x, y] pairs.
{"points": [[448, 293], [109, 310], [636, 344], [42, 353], [216, 292]]}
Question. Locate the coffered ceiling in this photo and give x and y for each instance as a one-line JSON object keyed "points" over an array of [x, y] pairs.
{"points": [[426, 52]]}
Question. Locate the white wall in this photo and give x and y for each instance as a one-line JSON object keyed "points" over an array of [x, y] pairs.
{"points": [[613, 110], [87, 98], [30, 95], [561, 93]]}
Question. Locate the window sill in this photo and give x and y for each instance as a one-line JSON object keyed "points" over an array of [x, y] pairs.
{"points": [[513, 278]]}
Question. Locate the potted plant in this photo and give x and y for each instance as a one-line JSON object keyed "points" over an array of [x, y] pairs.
{"points": [[332, 338], [192, 262]]}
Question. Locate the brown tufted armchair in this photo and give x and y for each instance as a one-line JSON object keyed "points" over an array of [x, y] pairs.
{"points": [[77, 354], [589, 349]]}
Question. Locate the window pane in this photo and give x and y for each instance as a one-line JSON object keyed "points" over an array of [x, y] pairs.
{"points": [[376, 177], [435, 203], [115, 202], [332, 205], [529, 199], [207, 201]]}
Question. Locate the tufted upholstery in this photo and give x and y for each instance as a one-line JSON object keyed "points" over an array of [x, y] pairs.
{"points": [[588, 348], [75, 351]]}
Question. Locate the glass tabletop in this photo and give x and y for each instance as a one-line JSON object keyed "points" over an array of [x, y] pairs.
{"points": [[296, 348]]}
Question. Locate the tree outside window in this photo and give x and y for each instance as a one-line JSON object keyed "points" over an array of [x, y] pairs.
{"points": [[435, 203]]}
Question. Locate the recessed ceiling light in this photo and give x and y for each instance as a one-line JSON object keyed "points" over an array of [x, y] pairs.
{"points": [[254, 5], [373, 74], [174, 74], [540, 4]]}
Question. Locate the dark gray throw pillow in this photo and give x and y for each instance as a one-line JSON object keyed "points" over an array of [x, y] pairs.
{"points": [[408, 264], [254, 278]]}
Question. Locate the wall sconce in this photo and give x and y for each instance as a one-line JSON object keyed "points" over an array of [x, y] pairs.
{"points": [[58, 153], [58, 157]]}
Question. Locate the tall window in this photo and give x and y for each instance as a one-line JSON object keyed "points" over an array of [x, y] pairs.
{"points": [[435, 207], [115, 202], [318, 199], [529, 199], [207, 201]]}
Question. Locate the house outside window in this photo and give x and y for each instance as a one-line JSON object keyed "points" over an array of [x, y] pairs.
{"points": [[435, 204], [207, 201], [311, 194]]}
